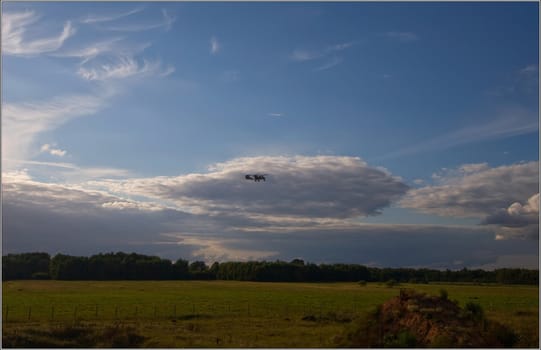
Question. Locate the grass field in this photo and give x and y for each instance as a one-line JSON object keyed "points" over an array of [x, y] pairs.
{"points": [[236, 314]]}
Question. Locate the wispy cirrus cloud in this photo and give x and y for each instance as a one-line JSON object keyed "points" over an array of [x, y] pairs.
{"points": [[113, 47], [333, 62], [301, 55], [523, 81], [109, 17], [125, 67], [22, 122], [166, 23], [112, 59], [214, 46], [304, 55], [508, 123], [402, 36], [15, 41], [68, 172]]}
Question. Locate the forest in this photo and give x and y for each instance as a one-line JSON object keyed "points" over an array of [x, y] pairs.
{"points": [[133, 266]]}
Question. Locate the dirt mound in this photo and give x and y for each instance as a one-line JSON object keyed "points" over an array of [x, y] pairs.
{"points": [[419, 320]]}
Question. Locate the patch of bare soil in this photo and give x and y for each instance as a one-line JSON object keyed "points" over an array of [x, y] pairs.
{"points": [[418, 320]]}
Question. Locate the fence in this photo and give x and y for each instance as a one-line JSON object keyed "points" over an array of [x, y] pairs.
{"points": [[21, 313]]}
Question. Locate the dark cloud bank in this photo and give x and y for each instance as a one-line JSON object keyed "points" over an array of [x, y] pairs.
{"points": [[309, 208]]}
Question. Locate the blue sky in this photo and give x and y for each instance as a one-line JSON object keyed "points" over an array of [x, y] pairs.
{"points": [[413, 120]]}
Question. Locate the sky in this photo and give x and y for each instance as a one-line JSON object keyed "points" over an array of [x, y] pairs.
{"points": [[392, 134]]}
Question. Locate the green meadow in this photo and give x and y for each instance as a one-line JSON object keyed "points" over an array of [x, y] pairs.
{"points": [[226, 313]]}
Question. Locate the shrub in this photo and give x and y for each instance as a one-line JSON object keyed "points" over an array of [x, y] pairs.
{"points": [[443, 341], [504, 335], [391, 283], [443, 294], [403, 339], [475, 311]]}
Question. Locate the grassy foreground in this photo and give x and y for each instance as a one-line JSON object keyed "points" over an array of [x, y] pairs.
{"points": [[225, 313]]}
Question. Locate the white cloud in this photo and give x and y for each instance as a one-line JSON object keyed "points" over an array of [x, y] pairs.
{"points": [[473, 168], [518, 220], [166, 23], [15, 41], [333, 62], [214, 46], [302, 55], [113, 47], [109, 17], [320, 187], [123, 68], [305, 55], [402, 36], [168, 20], [22, 122], [475, 193], [212, 249], [77, 220], [19, 187], [53, 151], [275, 114], [494, 195], [67, 172]]}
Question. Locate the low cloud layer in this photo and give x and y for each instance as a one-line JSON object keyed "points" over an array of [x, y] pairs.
{"points": [[77, 220], [505, 196], [475, 190], [296, 187], [519, 220]]}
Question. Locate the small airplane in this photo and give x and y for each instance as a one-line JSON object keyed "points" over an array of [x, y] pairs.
{"points": [[255, 177]]}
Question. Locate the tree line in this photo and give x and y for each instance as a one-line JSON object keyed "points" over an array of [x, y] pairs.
{"points": [[123, 266]]}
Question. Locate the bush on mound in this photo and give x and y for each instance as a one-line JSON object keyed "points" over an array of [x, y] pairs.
{"points": [[418, 320]]}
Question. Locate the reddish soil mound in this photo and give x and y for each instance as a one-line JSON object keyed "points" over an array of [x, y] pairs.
{"points": [[419, 320]]}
